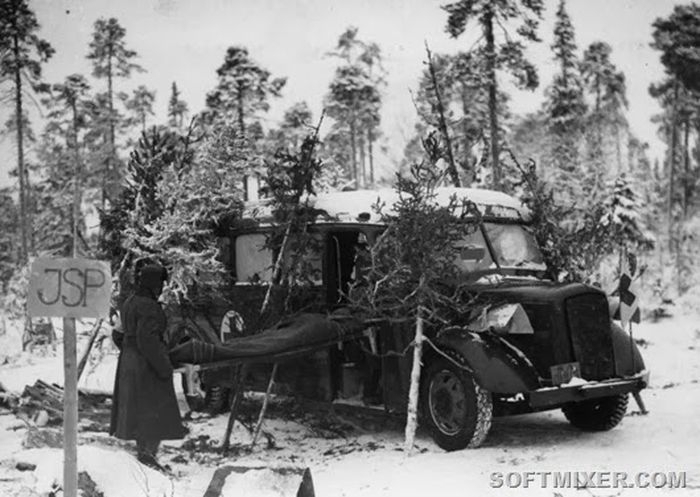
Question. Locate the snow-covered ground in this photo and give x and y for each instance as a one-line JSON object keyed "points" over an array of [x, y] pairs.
{"points": [[355, 457]]}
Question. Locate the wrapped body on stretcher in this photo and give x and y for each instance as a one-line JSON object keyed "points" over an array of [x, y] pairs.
{"points": [[293, 337]]}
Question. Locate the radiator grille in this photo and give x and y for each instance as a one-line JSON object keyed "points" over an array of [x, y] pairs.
{"points": [[589, 327]]}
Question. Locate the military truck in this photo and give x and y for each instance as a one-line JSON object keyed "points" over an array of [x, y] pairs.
{"points": [[536, 345]]}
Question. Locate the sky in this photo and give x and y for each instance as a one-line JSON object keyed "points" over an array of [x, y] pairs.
{"points": [[185, 41]]}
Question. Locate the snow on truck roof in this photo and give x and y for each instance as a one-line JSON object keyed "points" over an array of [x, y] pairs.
{"points": [[358, 205]]}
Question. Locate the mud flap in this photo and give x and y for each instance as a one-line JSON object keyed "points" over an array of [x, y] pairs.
{"points": [[289, 481], [497, 366]]}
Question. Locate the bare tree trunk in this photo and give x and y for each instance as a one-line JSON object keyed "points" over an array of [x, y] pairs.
{"points": [[77, 180], [672, 165], [241, 129], [487, 22], [24, 228], [412, 415], [276, 270], [112, 132], [598, 149], [467, 144], [353, 151], [363, 160], [370, 144], [686, 168], [451, 166]]}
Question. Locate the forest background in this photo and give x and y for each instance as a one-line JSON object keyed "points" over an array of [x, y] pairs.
{"points": [[603, 102]]}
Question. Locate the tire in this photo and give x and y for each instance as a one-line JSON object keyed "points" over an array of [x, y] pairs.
{"points": [[597, 414], [217, 399], [214, 400], [458, 412]]}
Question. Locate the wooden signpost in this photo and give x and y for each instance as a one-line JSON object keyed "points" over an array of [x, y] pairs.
{"points": [[69, 288]]}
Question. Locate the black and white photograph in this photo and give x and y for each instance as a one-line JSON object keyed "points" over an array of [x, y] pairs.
{"points": [[349, 248]]}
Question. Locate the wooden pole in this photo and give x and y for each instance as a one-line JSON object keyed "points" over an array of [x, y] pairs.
{"points": [[640, 403], [70, 410], [412, 415], [86, 354], [235, 402], [70, 383], [263, 409], [452, 165]]}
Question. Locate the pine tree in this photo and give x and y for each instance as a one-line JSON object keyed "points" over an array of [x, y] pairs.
{"points": [[529, 140], [565, 107], [168, 210], [243, 91], [297, 124], [461, 81], [354, 102], [64, 165], [177, 109], [607, 86], [508, 54], [111, 59], [623, 214], [22, 52], [141, 105], [678, 39]]}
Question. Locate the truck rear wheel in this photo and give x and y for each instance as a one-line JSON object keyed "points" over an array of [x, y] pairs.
{"points": [[217, 399], [214, 399], [457, 410], [597, 414]]}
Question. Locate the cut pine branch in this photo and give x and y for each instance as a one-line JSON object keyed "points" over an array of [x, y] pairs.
{"points": [[412, 411]]}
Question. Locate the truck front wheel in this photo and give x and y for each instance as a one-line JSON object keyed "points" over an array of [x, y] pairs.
{"points": [[457, 410], [597, 414]]}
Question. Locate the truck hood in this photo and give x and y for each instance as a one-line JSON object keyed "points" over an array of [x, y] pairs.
{"points": [[532, 291]]}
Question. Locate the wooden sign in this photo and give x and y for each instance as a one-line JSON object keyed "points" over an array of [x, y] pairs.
{"points": [[75, 288], [69, 288]]}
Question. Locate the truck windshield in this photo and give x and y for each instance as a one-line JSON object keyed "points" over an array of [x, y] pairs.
{"points": [[514, 246]]}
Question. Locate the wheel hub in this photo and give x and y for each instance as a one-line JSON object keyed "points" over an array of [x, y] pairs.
{"points": [[447, 402]]}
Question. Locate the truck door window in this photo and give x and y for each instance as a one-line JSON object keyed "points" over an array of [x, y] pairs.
{"points": [[253, 260]]}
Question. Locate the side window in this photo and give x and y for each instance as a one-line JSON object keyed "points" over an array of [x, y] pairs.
{"points": [[472, 253], [253, 260]]}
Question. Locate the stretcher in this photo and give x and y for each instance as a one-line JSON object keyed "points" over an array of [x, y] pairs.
{"points": [[294, 337]]}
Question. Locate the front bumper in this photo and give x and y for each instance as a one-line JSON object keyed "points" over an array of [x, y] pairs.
{"points": [[544, 398]]}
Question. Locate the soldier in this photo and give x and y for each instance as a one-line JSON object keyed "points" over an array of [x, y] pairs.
{"points": [[144, 407]]}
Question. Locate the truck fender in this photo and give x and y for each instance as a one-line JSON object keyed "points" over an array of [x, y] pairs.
{"points": [[496, 365], [628, 359]]}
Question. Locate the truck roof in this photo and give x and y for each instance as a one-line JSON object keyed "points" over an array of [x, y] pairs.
{"points": [[357, 206]]}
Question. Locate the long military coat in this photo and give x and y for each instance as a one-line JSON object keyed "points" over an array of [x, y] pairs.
{"points": [[144, 406]]}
